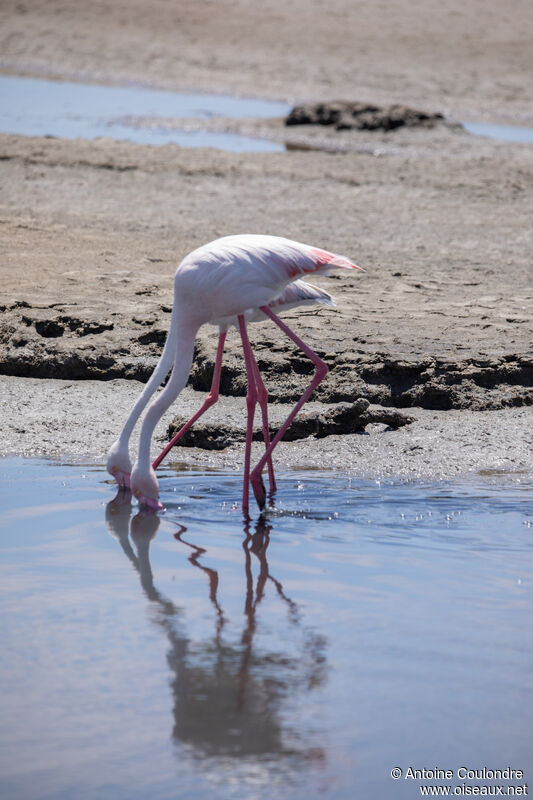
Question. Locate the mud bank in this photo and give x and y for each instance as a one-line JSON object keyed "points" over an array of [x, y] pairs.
{"points": [[439, 326], [77, 420], [57, 342], [442, 320]]}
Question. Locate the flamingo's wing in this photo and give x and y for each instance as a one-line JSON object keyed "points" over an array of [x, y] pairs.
{"points": [[301, 293], [297, 293]]}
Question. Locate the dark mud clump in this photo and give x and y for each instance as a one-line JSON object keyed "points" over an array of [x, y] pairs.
{"points": [[344, 115], [341, 418]]}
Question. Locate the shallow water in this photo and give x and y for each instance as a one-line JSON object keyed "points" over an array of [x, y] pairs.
{"points": [[505, 133], [34, 107], [358, 627], [37, 107]]}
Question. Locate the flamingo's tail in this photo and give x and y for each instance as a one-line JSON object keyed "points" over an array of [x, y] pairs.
{"points": [[325, 260]]}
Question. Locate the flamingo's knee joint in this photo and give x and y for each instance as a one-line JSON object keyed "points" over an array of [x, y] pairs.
{"points": [[251, 398], [262, 395], [322, 370]]}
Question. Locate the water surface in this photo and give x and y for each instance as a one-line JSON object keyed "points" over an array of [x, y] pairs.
{"points": [[505, 133], [36, 107], [359, 626]]}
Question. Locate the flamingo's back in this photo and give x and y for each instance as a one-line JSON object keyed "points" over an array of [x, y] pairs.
{"points": [[238, 274]]}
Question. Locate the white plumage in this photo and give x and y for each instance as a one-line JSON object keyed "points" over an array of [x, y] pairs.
{"points": [[231, 281]]}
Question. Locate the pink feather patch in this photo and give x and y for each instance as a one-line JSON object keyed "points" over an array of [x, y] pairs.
{"points": [[322, 257]]}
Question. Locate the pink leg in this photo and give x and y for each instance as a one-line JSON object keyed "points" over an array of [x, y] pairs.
{"points": [[321, 371], [262, 399], [251, 400], [210, 400]]}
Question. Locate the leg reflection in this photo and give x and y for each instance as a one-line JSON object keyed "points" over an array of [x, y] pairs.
{"points": [[229, 697], [212, 575]]}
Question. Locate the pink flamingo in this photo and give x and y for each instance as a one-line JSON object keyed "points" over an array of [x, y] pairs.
{"points": [[231, 281]]}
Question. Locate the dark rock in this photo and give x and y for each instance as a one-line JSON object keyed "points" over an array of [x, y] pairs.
{"points": [[52, 327], [206, 435], [85, 327], [344, 115], [49, 328], [154, 336], [390, 417], [342, 418]]}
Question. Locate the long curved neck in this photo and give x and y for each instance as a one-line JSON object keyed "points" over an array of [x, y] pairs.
{"points": [[183, 356], [156, 379]]}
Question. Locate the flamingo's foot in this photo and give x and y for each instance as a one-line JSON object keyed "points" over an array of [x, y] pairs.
{"points": [[121, 477], [151, 503], [258, 486]]}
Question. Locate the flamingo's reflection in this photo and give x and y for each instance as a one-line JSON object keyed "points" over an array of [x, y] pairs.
{"points": [[230, 698]]}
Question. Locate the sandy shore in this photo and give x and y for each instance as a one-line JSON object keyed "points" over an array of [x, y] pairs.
{"points": [[468, 60], [441, 324]]}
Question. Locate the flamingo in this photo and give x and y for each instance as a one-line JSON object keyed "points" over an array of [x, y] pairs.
{"points": [[231, 281]]}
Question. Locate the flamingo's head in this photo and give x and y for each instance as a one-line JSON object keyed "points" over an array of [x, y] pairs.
{"points": [[119, 464], [145, 487]]}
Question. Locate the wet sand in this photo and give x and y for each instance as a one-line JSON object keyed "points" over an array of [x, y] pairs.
{"points": [[77, 420], [441, 324]]}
